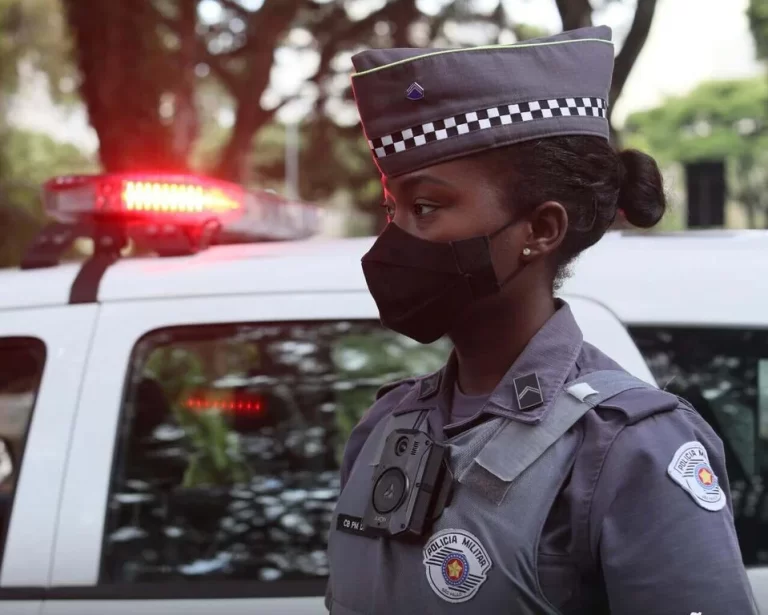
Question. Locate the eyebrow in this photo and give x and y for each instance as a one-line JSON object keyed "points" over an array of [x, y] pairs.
{"points": [[410, 182]]}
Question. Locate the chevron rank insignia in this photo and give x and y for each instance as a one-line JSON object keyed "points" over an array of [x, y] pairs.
{"points": [[528, 391]]}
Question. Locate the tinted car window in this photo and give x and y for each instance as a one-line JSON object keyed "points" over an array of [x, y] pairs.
{"points": [[21, 369], [230, 442]]}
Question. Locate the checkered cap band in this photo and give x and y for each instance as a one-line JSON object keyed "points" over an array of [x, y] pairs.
{"points": [[466, 123]]}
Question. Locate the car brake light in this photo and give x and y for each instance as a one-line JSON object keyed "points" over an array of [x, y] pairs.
{"points": [[250, 406]]}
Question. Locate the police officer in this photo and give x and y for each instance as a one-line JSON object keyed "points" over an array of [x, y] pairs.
{"points": [[530, 475]]}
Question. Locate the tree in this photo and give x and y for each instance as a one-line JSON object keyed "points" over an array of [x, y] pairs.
{"points": [[718, 120], [27, 159], [32, 36], [143, 64], [33, 33], [351, 167], [578, 14], [757, 13]]}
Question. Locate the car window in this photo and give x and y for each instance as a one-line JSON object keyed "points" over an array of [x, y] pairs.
{"points": [[230, 442], [21, 368], [724, 374]]}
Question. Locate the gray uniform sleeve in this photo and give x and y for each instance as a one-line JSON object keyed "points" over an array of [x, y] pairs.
{"points": [[662, 549]]}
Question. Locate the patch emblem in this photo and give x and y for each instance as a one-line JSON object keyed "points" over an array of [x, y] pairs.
{"points": [[457, 565], [691, 470]]}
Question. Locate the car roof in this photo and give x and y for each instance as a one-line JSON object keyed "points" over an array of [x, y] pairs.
{"points": [[690, 278], [675, 278]]}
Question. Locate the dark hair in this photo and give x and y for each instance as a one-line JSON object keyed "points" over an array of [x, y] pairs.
{"points": [[589, 177]]}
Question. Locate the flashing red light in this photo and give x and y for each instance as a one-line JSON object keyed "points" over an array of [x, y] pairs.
{"points": [[177, 196], [165, 197], [251, 406], [178, 214]]}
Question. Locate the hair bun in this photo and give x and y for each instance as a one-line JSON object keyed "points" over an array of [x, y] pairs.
{"points": [[641, 195]]}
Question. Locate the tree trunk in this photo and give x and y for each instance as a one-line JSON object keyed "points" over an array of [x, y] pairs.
{"points": [[234, 160], [575, 13], [578, 14], [633, 45], [125, 73], [265, 29], [186, 125]]}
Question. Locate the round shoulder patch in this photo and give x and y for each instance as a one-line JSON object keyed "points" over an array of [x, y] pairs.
{"points": [[691, 470], [457, 565]]}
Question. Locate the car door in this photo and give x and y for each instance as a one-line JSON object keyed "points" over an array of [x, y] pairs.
{"points": [[204, 463], [42, 356]]}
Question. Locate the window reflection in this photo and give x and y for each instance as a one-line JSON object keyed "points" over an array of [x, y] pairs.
{"points": [[205, 485]]}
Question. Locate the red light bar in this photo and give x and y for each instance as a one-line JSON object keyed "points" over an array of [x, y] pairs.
{"points": [[137, 196], [176, 214], [250, 406]]}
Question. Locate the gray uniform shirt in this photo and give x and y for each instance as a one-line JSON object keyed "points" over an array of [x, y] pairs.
{"points": [[621, 535], [465, 407]]}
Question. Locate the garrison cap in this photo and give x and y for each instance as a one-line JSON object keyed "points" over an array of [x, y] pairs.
{"points": [[420, 107]]}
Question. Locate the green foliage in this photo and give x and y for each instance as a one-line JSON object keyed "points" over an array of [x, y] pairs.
{"points": [[178, 369], [215, 457], [380, 356], [718, 120], [27, 159], [33, 35], [32, 157], [34, 32]]}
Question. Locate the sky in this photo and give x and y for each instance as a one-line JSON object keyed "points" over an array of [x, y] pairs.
{"points": [[690, 41], [688, 46]]}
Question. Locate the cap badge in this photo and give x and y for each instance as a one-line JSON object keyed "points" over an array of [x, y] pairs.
{"points": [[414, 92]]}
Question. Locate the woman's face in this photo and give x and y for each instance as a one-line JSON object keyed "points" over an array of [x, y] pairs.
{"points": [[446, 202], [458, 199]]}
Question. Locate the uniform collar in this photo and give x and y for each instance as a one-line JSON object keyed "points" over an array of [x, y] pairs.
{"points": [[530, 386]]}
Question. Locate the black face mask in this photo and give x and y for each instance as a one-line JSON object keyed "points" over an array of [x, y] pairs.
{"points": [[422, 287]]}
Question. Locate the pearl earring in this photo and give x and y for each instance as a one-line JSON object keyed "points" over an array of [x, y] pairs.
{"points": [[526, 251]]}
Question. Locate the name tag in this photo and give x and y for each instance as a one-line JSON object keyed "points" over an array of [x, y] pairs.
{"points": [[350, 524]]}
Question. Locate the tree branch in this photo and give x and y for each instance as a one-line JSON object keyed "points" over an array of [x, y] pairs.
{"points": [[337, 38], [235, 7], [216, 64], [265, 28], [574, 13], [625, 60]]}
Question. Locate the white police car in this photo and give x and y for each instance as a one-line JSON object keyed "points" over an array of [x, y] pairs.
{"points": [[172, 426]]}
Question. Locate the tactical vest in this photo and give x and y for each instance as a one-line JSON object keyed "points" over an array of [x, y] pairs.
{"points": [[481, 554]]}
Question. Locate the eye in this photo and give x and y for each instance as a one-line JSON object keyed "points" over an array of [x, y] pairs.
{"points": [[423, 208], [389, 210]]}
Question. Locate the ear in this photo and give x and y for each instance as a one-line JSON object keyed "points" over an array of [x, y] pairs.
{"points": [[547, 225]]}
